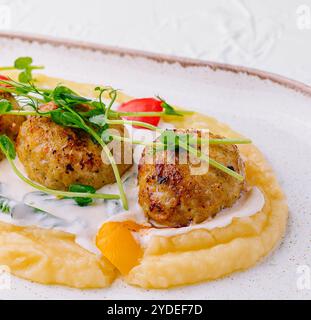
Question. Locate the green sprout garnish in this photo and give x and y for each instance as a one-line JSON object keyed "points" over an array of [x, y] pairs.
{"points": [[8, 149], [95, 121], [5, 106], [5, 205], [24, 65], [168, 109], [81, 188]]}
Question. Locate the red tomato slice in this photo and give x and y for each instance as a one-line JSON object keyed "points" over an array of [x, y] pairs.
{"points": [[142, 105], [6, 79]]}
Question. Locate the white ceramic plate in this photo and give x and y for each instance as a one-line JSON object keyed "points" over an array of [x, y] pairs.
{"points": [[274, 112]]}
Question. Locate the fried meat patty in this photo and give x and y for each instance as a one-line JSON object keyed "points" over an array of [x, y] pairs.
{"points": [[171, 195]]}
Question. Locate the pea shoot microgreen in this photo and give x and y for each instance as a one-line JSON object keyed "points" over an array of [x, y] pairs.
{"points": [[85, 192], [168, 109], [5, 106], [5, 206], [25, 66], [94, 116], [7, 147], [81, 188]]}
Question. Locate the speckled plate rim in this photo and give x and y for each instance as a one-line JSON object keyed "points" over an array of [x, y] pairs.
{"points": [[184, 62]]}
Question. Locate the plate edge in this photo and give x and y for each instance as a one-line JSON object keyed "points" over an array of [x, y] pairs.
{"points": [[160, 58]]}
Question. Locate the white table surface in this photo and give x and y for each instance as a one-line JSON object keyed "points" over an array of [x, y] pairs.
{"points": [[269, 35]]}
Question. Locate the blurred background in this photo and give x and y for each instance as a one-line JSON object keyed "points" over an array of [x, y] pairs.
{"points": [[269, 35]]}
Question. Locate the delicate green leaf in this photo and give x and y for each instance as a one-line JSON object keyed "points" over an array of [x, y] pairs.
{"points": [[5, 205], [7, 146], [47, 96], [98, 105], [25, 76], [92, 113], [168, 109], [22, 90], [73, 99], [64, 95], [5, 106], [66, 119], [81, 188], [22, 63]]}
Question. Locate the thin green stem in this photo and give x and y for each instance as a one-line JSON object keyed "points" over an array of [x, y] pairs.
{"points": [[59, 193], [37, 67], [108, 154], [226, 141], [14, 85], [25, 113], [28, 96], [140, 114], [13, 68], [135, 123], [113, 98], [7, 68], [210, 141], [129, 140], [211, 161], [149, 114], [113, 165], [225, 169]]}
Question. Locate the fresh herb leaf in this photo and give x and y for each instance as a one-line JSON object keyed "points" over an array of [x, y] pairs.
{"points": [[21, 90], [22, 63], [92, 113], [100, 104], [168, 109], [64, 95], [66, 119], [7, 147], [25, 76], [81, 188], [25, 64], [97, 105], [5, 206], [5, 106]]}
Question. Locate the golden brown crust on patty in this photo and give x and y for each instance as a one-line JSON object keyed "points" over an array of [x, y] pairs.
{"points": [[9, 124], [57, 156], [171, 195]]}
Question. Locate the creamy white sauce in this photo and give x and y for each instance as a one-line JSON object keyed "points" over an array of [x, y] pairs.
{"points": [[249, 204], [84, 222]]}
